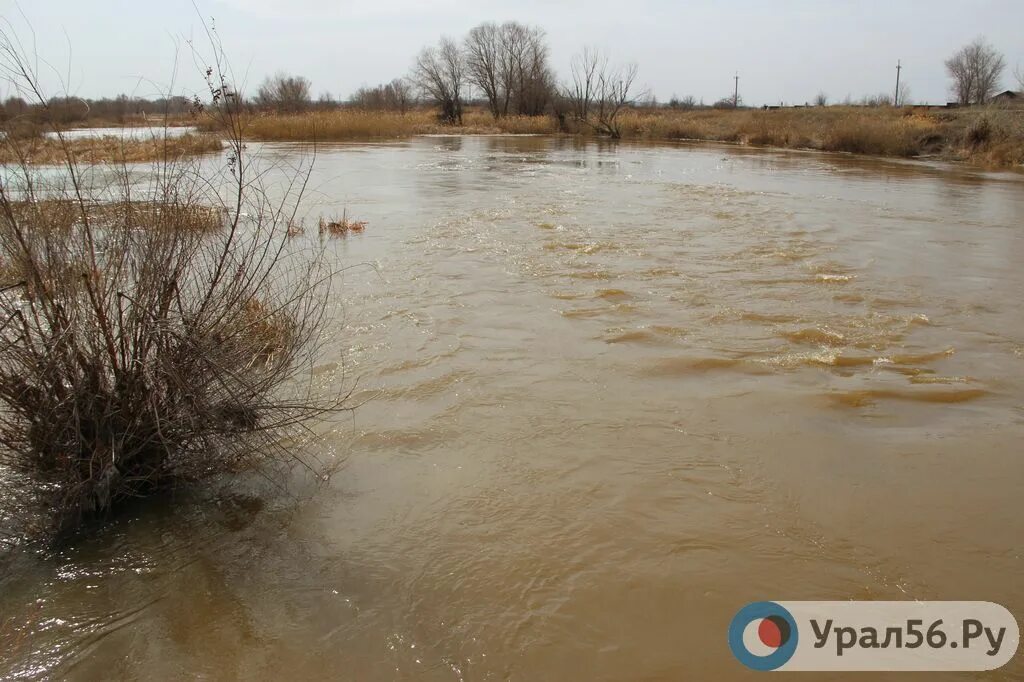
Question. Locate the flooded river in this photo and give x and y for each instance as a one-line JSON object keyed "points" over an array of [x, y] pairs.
{"points": [[612, 394]]}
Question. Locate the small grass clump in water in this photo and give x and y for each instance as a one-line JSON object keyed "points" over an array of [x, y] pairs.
{"points": [[341, 227]]}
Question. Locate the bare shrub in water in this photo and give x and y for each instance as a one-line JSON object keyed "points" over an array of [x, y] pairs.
{"points": [[152, 330]]}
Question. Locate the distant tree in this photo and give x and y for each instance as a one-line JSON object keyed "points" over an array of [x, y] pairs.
{"points": [[1019, 74], [903, 96], [882, 99], [284, 93], [326, 100], [439, 72], [821, 100], [975, 71], [599, 93], [686, 103], [394, 96], [401, 95], [14, 107], [67, 110]]}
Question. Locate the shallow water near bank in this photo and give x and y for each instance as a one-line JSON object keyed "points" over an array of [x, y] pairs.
{"points": [[614, 393]]}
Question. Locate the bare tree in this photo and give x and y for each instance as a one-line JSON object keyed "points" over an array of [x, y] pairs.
{"points": [[284, 93], [903, 95], [401, 94], [975, 70], [483, 48], [584, 70], [440, 75], [326, 100], [599, 92], [535, 79], [821, 100], [615, 92]]}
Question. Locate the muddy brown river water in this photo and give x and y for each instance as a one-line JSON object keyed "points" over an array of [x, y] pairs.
{"points": [[613, 393]]}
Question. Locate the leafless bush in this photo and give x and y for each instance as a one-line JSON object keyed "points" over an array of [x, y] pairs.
{"points": [[687, 103], [284, 93], [150, 331], [978, 132], [728, 102]]}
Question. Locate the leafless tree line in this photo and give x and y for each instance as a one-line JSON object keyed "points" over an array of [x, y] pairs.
{"points": [[69, 111], [394, 96], [509, 65]]}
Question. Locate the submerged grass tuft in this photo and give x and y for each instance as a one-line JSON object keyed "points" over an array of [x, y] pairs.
{"points": [[341, 227]]}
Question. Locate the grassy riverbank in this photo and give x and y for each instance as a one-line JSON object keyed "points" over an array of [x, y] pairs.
{"points": [[40, 150], [986, 137], [989, 137]]}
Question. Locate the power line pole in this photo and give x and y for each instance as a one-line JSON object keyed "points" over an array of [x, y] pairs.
{"points": [[899, 67], [736, 92]]}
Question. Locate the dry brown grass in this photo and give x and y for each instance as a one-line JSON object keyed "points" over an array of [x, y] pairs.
{"points": [[42, 151], [985, 136], [884, 132]]}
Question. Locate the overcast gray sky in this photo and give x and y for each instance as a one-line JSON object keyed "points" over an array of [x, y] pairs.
{"points": [[784, 50]]}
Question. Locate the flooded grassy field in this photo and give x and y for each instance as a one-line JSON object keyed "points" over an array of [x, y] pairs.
{"points": [[610, 394]]}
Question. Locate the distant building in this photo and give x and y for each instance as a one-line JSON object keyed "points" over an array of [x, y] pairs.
{"points": [[1008, 97]]}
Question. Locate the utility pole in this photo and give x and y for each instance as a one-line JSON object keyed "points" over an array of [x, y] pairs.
{"points": [[899, 67], [736, 92]]}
